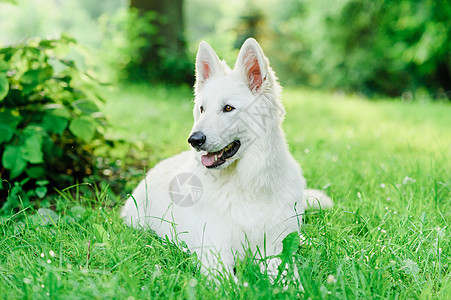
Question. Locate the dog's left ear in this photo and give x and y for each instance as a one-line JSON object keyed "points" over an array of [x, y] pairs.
{"points": [[253, 64]]}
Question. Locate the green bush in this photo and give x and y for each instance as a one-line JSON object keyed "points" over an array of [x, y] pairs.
{"points": [[49, 120]]}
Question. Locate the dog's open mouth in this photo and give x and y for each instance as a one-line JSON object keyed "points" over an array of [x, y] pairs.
{"points": [[214, 159]]}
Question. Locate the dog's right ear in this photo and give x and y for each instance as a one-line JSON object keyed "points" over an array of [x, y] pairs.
{"points": [[207, 64]]}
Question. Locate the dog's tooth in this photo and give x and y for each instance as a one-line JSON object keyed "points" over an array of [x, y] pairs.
{"points": [[216, 157]]}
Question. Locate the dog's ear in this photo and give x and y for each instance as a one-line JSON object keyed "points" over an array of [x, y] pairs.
{"points": [[253, 64], [207, 64]]}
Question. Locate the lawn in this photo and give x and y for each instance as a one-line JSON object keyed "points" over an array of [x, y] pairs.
{"points": [[386, 164]]}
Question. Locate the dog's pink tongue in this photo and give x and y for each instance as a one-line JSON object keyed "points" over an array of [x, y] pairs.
{"points": [[208, 159]]}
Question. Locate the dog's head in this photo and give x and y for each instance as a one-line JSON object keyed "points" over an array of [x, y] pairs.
{"points": [[233, 108]]}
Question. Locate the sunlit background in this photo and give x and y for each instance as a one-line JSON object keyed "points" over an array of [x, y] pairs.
{"points": [[392, 48]]}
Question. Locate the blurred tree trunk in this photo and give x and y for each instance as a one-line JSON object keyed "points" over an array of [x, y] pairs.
{"points": [[169, 42]]}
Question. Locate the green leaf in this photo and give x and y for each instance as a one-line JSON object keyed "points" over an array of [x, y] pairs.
{"points": [[290, 244], [4, 86], [65, 37], [6, 133], [41, 191], [86, 106], [35, 172], [33, 78], [101, 233], [4, 66], [42, 182], [54, 123], [12, 160], [10, 117], [77, 212], [84, 128], [45, 216], [32, 150]]}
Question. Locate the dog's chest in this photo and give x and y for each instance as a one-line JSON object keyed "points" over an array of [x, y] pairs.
{"points": [[243, 218]]}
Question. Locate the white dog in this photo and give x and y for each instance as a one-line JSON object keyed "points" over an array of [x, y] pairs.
{"points": [[241, 189]]}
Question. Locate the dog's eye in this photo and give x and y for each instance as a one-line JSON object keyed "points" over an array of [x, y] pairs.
{"points": [[228, 108], [201, 109]]}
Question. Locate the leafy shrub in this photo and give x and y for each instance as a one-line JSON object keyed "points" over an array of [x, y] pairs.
{"points": [[49, 119]]}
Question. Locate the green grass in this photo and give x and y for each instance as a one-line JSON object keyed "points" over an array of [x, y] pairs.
{"points": [[386, 164]]}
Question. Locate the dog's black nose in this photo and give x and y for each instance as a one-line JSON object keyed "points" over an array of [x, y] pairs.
{"points": [[197, 139]]}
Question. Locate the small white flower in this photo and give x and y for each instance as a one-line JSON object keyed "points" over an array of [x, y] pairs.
{"points": [[27, 280], [382, 185], [49, 261], [407, 180], [52, 254], [359, 195], [246, 284], [42, 255], [331, 279], [107, 172], [306, 150], [192, 282]]}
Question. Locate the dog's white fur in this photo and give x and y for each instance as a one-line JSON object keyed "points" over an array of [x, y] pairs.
{"points": [[257, 196]]}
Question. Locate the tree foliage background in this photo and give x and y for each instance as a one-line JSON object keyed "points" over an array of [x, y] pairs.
{"points": [[381, 47]]}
